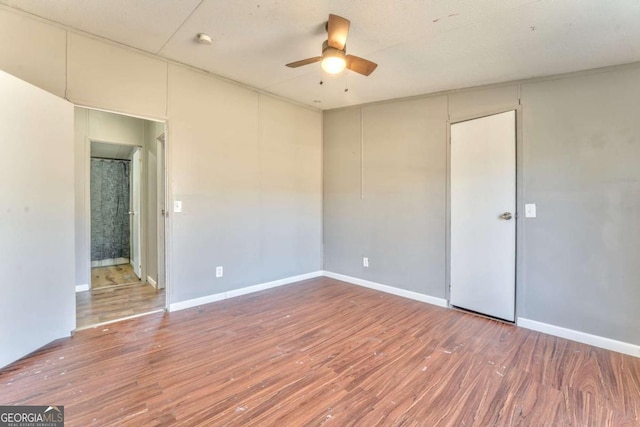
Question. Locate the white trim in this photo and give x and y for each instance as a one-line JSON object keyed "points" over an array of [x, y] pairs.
{"points": [[109, 262], [197, 301], [440, 302], [242, 291], [582, 337], [273, 284], [82, 288], [152, 282]]}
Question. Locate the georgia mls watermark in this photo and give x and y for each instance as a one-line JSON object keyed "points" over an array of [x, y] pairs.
{"points": [[31, 416]]}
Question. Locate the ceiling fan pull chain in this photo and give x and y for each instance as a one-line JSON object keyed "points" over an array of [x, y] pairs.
{"points": [[346, 82]]}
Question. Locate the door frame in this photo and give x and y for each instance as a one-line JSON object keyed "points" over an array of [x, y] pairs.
{"points": [[167, 192], [519, 246], [161, 206], [136, 176], [87, 198]]}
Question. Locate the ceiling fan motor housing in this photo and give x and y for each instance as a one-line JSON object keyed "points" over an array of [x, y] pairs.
{"points": [[332, 51]]}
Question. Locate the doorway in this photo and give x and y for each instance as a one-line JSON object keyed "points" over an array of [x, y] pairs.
{"points": [[115, 214], [126, 229], [483, 211]]}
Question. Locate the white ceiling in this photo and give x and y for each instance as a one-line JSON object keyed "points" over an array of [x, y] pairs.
{"points": [[421, 46]]}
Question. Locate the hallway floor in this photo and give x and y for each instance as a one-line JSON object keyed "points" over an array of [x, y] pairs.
{"points": [[112, 303], [113, 275]]}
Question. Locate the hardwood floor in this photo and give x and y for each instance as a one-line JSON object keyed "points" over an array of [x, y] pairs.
{"points": [[116, 302], [324, 352], [113, 275]]}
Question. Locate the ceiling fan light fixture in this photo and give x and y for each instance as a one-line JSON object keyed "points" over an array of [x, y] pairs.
{"points": [[333, 61], [334, 57]]}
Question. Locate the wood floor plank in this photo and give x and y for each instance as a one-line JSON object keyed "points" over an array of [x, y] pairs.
{"points": [[325, 353], [107, 304]]}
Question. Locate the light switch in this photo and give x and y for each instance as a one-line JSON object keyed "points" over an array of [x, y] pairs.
{"points": [[530, 210], [177, 206]]}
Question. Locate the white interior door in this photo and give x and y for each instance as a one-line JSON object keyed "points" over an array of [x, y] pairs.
{"points": [[135, 212], [483, 226], [161, 211], [37, 268]]}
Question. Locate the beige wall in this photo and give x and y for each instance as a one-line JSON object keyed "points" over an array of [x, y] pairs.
{"points": [[232, 153]]}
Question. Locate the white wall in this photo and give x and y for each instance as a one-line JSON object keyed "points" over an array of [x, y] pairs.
{"points": [[34, 52], [246, 166], [113, 78]]}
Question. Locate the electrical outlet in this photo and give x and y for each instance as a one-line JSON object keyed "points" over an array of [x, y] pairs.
{"points": [[365, 262], [219, 271]]}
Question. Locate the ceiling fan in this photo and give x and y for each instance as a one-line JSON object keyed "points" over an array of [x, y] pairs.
{"points": [[334, 58]]}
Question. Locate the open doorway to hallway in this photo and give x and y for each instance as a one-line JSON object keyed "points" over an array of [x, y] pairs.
{"points": [[123, 255]]}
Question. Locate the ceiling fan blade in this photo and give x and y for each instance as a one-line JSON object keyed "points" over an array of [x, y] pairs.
{"points": [[360, 65], [338, 29], [304, 62]]}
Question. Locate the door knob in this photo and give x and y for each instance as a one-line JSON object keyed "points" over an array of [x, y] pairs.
{"points": [[506, 215]]}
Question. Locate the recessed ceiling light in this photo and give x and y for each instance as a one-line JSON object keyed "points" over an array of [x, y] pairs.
{"points": [[204, 38]]}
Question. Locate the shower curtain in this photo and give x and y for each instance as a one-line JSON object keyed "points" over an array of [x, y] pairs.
{"points": [[109, 209]]}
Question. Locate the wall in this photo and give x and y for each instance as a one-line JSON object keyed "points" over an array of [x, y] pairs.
{"points": [[385, 181], [247, 169], [246, 166], [582, 168], [579, 162]]}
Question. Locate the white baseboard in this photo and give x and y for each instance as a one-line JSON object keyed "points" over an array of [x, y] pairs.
{"points": [[109, 262], [242, 291], [583, 337], [152, 282], [440, 302], [570, 334], [197, 301], [82, 288], [273, 284]]}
